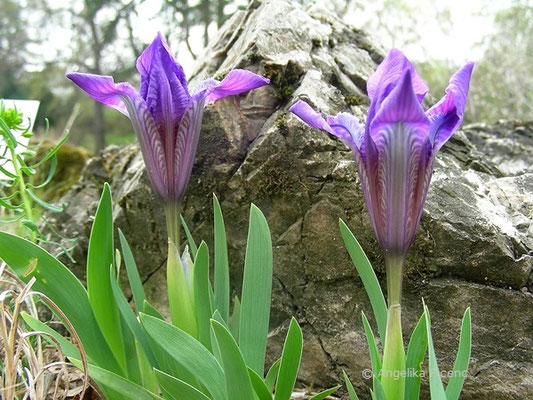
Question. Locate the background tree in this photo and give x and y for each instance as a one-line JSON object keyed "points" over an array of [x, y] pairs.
{"points": [[14, 54], [503, 85], [96, 28]]}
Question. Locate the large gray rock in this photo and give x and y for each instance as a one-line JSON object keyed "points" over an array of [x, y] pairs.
{"points": [[473, 247]]}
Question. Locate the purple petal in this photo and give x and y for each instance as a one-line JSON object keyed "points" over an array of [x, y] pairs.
{"points": [[104, 89], [125, 99], [399, 107], [186, 145], [394, 173], [311, 117], [388, 74], [163, 87], [201, 90], [447, 115], [348, 129], [236, 82], [146, 60]]}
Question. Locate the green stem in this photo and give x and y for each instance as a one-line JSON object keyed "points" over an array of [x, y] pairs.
{"points": [[394, 265], [180, 294], [26, 201], [172, 212], [393, 372]]}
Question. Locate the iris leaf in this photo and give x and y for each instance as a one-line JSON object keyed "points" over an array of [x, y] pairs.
{"points": [[188, 352], [325, 393], [290, 362], [133, 273], [455, 384], [235, 320], [178, 389], [131, 321], [416, 352], [201, 294], [190, 239], [260, 388], [368, 276], [349, 387], [435, 382], [372, 346], [272, 374], [238, 382], [221, 262], [256, 292], [99, 261]]}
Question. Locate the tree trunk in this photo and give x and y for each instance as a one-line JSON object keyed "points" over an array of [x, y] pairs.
{"points": [[206, 17], [220, 12]]}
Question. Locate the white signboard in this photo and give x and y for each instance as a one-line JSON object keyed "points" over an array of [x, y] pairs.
{"points": [[29, 110]]}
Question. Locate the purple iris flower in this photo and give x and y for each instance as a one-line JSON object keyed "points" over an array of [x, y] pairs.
{"points": [[396, 150], [166, 117]]}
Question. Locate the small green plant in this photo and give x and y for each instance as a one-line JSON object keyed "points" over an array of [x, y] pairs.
{"points": [[18, 195], [137, 353]]}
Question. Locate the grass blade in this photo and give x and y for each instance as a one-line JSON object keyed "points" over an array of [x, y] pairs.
{"points": [[133, 273], [201, 295], [368, 276], [322, 395], [190, 239], [188, 352], [260, 388], [435, 382], [372, 347], [349, 387], [178, 389], [99, 261], [416, 352], [256, 292], [235, 320], [272, 374], [455, 384], [221, 262], [238, 382], [131, 322], [290, 362]]}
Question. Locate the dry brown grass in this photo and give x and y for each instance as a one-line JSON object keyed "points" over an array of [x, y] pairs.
{"points": [[32, 364]]}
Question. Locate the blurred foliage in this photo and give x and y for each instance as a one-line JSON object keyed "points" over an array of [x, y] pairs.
{"points": [[503, 80]]}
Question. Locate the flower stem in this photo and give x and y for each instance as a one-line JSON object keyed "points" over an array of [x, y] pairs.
{"points": [[26, 201], [180, 297], [393, 373], [172, 212], [394, 265]]}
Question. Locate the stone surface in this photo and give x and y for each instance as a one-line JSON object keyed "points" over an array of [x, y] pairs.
{"points": [[474, 246]]}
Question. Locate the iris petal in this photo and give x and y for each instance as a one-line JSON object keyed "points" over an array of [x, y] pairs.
{"points": [[313, 118], [186, 145], [348, 129], [123, 97], [104, 89], [447, 115], [388, 74], [146, 61], [236, 82], [401, 106], [166, 119]]}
